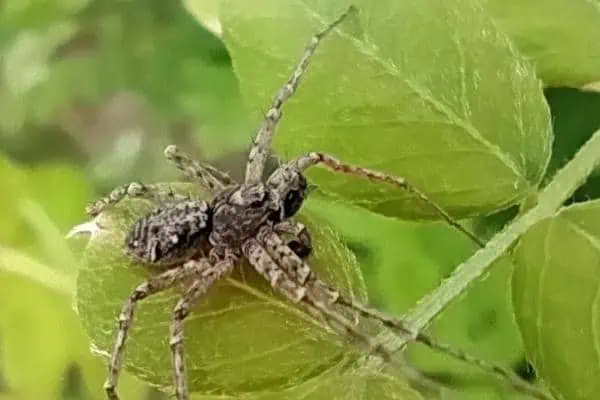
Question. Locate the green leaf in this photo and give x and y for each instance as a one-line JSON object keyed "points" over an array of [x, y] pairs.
{"points": [[31, 243], [359, 385], [206, 12], [14, 261], [560, 35], [556, 299], [550, 199], [240, 338], [428, 90], [341, 384], [575, 117], [14, 183], [37, 284], [41, 337], [31, 14], [36, 215]]}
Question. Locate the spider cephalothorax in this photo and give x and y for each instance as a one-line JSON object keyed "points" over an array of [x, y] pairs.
{"points": [[238, 212], [196, 243]]}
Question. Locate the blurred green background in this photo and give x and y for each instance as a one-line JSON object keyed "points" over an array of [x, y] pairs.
{"points": [[90, 93]]}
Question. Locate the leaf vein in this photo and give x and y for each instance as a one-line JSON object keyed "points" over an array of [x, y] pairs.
{"points": [[424, 95], [595, 306], [272, 350], [543, 272]]}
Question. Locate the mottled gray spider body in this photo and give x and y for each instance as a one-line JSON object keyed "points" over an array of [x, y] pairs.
{"points": [[187, 229], [197, 243], [240, 211], [171, 233]]}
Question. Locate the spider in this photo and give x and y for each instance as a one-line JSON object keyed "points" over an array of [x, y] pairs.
{"points": [[202, 242]]}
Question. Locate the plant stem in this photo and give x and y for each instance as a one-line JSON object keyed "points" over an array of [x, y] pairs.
{"points": [[21, 264], [552, 197]]}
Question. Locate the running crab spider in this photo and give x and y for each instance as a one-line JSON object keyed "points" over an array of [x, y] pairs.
{"points": [[201, 242]]}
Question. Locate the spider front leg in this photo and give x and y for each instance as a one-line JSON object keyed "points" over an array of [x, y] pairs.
{"points": [[206, 277], [336, 165], [152, 286], [134, 189], [262, 143], [206, 175]]}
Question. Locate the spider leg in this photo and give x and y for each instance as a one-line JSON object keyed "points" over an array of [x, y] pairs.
{"points": [[296, 236], [208, 275], [262, 142], [206, 175], [265, 265], [152, 286], [398, 326], [133, 189], [297, 269], [336, 165]]}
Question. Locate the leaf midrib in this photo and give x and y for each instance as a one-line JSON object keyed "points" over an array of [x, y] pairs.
{"points": [[393, 70]]}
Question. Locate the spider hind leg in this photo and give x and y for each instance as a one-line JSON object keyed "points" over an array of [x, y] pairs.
{"points": [[152, 286], [207, 276]]}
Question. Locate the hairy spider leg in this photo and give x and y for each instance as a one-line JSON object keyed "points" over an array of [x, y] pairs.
{"points": [[261, 146], [204, 280], [304, 162], [157, 284], [514, 380], [134, 189], [298, 270], [293, 291], [266, 266], [206, 175]]}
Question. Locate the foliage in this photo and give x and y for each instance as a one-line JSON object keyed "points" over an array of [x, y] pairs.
{"points": [[386, 102], [449, 96], [466, 99], [557, 34], [235, 337], [556, 298], [43, 341]]}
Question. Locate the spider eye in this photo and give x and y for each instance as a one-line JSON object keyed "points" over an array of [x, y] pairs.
{"points": [[292, 203]]}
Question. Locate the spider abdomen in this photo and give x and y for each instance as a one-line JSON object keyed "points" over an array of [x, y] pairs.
{"points": [[171, 232]]}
